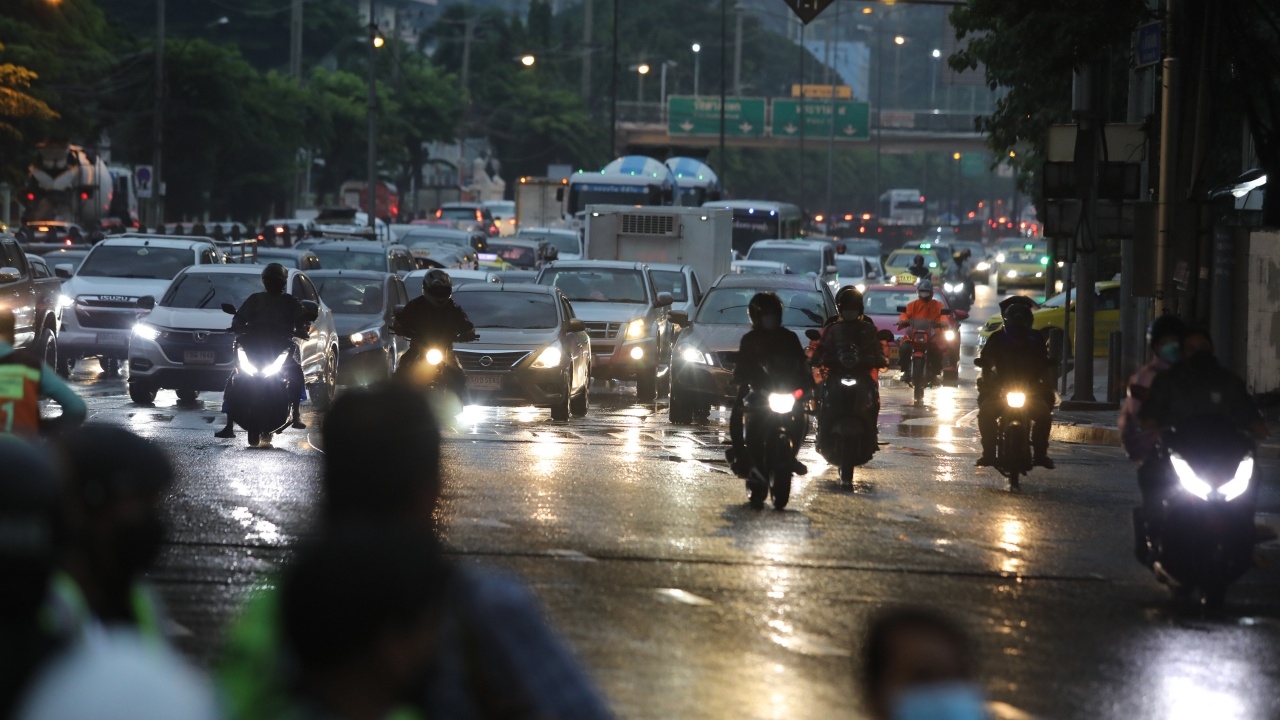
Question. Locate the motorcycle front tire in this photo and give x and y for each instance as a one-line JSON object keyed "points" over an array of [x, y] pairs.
{"points": [[918, 379]]}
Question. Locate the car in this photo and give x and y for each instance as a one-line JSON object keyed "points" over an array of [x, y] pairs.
{"points": [[860, 246], [100, 299], [303, 260], [413, 281], [881, 305], [31, 291], [364, 255], [625, 315], [941, 252], [802, 256], [896, 266], [53, 232], [532, 350], [760, 267], [680, 282], [184, 341], [703, 359], [1022, 267], [468, 216], [1050, 315], [568, 243], [856, 271], [504, 215], [363, 304], [282, 232], [514, 253], [472, 239]]}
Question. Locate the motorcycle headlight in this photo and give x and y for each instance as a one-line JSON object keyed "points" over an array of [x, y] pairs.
{"points": [[434, 357], [275, 365], [1188, 479], [948, 287], [548, 358], [782, 403], [145, 331], [1015, 399], [695, 356], [1238, 484], [636, 329], [950, 335], [66, 301], [848, 382], [245, 366], [366, 337]]}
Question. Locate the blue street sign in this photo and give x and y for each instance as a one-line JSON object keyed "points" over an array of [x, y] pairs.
{"points": [[1147, 49]]}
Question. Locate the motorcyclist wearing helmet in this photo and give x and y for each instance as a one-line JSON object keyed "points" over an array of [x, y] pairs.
{"points": [[852, 331], [768, 350], [434, 319], [1165, 340], [924, 307], [1015, 356], [918, 268], [274, 316]]}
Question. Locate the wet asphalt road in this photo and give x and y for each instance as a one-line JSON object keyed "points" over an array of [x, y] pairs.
{"points": [[683, 602]]}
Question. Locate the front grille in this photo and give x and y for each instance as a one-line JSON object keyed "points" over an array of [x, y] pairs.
{"points": [[602, 330], [475, 361], [634, 224], [727, 359], [95, 302], [601, 349], [105, 319], [175, 343]]}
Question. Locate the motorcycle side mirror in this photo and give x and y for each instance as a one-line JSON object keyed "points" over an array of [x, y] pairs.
{"points": [[832, 270], [902, 308], [679, 317], [577, 326], [147, 302], [310, 311], [946, 311], [812, 334], [664, 300], [397, 310], [228, 308], [962, 314]]}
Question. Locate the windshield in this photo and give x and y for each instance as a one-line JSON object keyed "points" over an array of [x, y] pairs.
{"points": [[287, 260], [211, 290], [598, 285], [458, 214], [415, 239], [901, 261], [131, 261], [564, 242], [850, 267], [800, 260], [583, 194], [518, 255], [862, 247], [515, 310], [350, 260], [886, 302], [749, 227], [760, 269], [671, 281], [728, 306], [354, 296], [505, 208], [1023, 257]]}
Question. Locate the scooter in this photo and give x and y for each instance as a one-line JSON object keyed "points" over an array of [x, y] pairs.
{"points": [[848, 398], [957, 290], [259, 395], [1013, 445], [1202, 537], [921, 338], [774, 421]]}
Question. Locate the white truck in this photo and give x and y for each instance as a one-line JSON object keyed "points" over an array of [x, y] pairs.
{"points": [[68, 183], [701, 238], [540, 202]]}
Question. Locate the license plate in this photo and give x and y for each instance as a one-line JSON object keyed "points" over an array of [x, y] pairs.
{"points": [[118, 340], [198, 357], [484, 382]]}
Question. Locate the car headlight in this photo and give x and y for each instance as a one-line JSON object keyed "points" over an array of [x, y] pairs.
{"points": [[636, 329], [1000, 257], [366, 337], [66, 301], [1239, 483], [434, 356], [1012, 274], [1188, 479], [145, 331], [245, 365], [983, 266], [950, 335], [548, 358], [862, 287], [782, 403], [695, 356], [1015, 399], [275, 365]]}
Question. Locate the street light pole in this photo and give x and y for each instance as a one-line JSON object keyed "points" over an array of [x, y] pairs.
{"points": [[371, 110], [933, 89], [697, 67], [613, 85], [898, 40], [157, 179]]}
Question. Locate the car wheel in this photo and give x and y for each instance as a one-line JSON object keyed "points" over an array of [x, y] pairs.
{"points": [[560, 409], [188, 396], [579, 404], [142, 393], [110, 366], [47, 348], [681, 410], [322, 392], [647, 387], [65, 366]]}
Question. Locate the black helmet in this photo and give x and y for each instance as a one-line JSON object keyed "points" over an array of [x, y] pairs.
{"points": [[437, 284], [918, 261], [274, 277], [762, 305], [1164, 326], [849, 299], [1016, 311]]}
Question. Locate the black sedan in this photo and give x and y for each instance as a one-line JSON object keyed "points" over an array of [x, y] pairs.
{"points": [[704, 355], [363, 304]]}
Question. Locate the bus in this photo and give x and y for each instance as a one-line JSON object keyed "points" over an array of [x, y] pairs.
{"points": [[696, 182], [902, 206], [760, 220], [629, 180]]}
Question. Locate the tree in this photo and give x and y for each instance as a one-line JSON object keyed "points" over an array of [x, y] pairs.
{"points": [[16, 105]]}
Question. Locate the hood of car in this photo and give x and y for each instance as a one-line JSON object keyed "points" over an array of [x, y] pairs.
{"points": [[500, 339], [132, 288], [714, 338], [348, 323], [608, 312], [188, 318]]}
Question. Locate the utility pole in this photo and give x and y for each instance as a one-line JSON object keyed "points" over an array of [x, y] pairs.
{"points": [[1089, 112], [587, 21], [724, 52], [831, 140], [613, 84], [157, 139], [371, 110], [295, 72], [879, 106], [737, 49]]}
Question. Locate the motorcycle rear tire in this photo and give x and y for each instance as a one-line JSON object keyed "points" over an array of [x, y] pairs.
{"points": [[846, 472], [1013, 481], [780, 488], [254, 439]]}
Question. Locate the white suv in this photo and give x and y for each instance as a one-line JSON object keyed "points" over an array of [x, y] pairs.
{"points": [[185, 342], [100, 301]]}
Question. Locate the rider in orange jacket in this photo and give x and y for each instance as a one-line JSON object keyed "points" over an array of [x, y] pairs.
{"points": [[925, 307]]}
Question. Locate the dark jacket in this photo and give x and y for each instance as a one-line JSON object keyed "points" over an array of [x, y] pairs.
{"points": [[844, 334], [1199, 386], [426, 324], [1020, 358], [778, 350], [264, 314]]}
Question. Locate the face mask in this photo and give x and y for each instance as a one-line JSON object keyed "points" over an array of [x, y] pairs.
{"points": [[952, 701], [139, 542], [1170, 353], [770, 322], [926, 296]]}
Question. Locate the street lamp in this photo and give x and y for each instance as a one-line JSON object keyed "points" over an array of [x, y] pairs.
{"points": [[898, 41], [527, 60], [379, 41], [697, 53], [933, 89], [643, 69]]}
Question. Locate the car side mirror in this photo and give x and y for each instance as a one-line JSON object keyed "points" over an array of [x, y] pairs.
{"points": [[664, 300], [813, 334], [831, 270], [679, 317], [10, 274], [147, 302], [961, 314], [576, 325], [63, 271], [228, 308], [397, 310], [310, 311]]}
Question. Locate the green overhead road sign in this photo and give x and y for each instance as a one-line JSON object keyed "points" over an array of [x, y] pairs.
{"points": [[688, 115], [974, 164], [852, 119]]}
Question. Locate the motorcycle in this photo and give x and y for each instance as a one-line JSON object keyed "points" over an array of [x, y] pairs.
{"points": [[848, 398], [1013, 445], [259, 395], [771, 419], [922, 345], [1203, 536], [436, 367], [955, 285]]}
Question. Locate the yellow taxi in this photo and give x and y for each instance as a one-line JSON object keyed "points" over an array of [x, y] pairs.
{"points": [[899, 260], [1022, 266], [1051, 314]]}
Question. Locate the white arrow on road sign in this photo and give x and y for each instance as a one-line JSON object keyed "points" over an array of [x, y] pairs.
{"points": [[790, 128], [686, 126], [849, 130], [745, 127]]}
